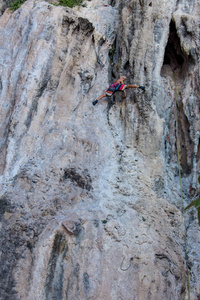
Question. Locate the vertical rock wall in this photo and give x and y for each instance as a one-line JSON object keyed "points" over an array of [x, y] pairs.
{"points": [[90, 201]]}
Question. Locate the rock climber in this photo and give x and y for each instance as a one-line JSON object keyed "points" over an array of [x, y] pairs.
{"points": [[118, 85]]}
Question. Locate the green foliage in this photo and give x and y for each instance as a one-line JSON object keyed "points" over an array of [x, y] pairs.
{"points": [[70, 3], [196, 204], [111, 54], [16, 4]]}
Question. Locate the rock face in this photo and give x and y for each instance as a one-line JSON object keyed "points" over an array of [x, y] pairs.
{"points": [[90, 197]]}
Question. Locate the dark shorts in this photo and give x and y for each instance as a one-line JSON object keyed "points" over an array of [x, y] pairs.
{"points": [[115, 88]]}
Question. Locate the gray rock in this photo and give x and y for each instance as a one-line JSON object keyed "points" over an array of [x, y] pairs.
{"points": [[90, 197]]}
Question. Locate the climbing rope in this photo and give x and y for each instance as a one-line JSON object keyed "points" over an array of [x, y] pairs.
{"points": [[183, 209]]}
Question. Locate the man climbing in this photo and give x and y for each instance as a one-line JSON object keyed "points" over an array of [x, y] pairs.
{"points": [[118, 85]]}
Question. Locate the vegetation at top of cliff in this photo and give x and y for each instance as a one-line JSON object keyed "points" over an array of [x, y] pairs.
{"points": [[16, 4], [70, 3]]}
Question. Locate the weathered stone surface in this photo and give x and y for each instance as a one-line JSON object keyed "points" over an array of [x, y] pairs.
{"points": [[90, 200], [3, 5]]}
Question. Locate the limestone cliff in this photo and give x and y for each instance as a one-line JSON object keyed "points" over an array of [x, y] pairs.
{"points": [[90, 197]]}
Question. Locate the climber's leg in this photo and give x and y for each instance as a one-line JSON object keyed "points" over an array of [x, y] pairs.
{"points": [[99, 98], [131, 86]]}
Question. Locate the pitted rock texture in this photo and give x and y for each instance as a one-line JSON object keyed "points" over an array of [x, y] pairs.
{"points": [[90, 198]]}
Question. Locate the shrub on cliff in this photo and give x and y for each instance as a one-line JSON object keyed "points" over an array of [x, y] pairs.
{"points": [[16, 4], [70, 3]]}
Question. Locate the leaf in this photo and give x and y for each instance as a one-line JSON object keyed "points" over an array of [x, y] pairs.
{"points": [[191, 204], [199, 179], [199, 215], [197, 203]]}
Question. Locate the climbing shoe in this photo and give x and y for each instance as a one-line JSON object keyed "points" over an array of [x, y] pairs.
{"points": [[142, 87], [94, 102]]}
